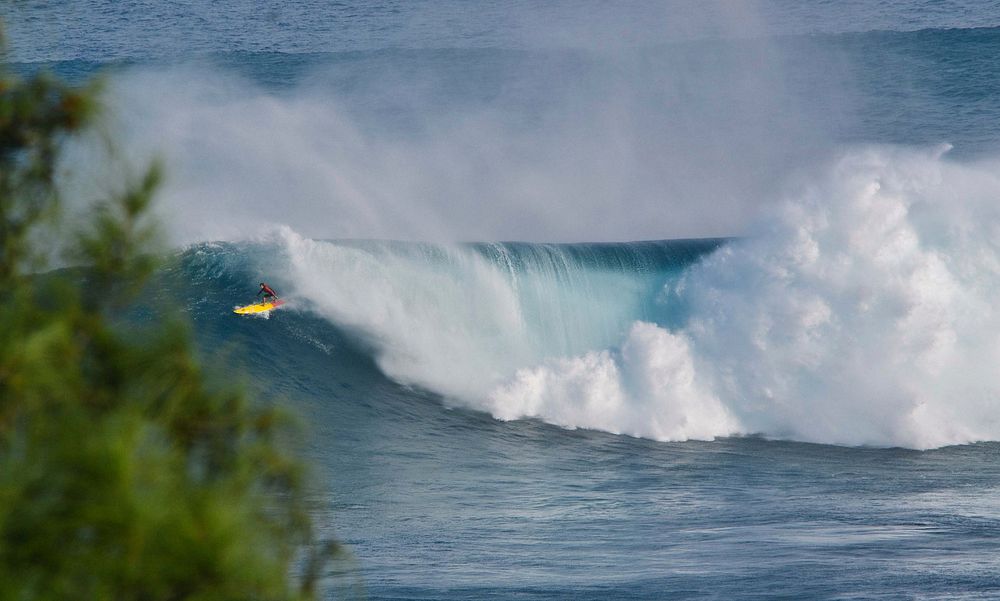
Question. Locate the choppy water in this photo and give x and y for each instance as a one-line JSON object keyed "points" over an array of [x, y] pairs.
{"points": [[797, 402]]}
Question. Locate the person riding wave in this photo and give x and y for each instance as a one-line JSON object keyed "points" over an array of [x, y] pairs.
{"points": [[269, 294]]}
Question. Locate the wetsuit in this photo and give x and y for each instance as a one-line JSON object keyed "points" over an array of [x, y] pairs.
{"points": [[267, 292]]}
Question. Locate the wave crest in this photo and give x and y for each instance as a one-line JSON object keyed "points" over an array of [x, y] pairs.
{"points": [[859, 311]]}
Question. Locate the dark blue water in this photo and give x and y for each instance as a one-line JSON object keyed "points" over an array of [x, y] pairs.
{"points": [[469, 408]]}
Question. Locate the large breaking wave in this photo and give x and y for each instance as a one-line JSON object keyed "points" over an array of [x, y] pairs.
{"points": [[860, 311]]}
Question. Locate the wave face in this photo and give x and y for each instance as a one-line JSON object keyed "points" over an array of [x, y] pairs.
{"points": [[460, 320], [860, 312]]}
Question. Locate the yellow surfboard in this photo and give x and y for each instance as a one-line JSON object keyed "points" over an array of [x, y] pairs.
{"points": [[258, 307]]}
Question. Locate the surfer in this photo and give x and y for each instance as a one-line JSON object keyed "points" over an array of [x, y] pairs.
{"points": [[268, 293], [271, 301]]}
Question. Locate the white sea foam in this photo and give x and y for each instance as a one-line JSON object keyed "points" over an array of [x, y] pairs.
{"points": [[860, 311], [649, 388]]}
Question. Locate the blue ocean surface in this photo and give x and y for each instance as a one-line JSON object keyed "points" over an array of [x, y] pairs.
{"points": [[745, 346]]}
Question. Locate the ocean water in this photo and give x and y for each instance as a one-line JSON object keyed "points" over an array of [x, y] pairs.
{"points": [[744, 347]]}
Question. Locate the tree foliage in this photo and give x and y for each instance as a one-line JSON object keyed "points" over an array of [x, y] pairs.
{"points": [[123, 473]]}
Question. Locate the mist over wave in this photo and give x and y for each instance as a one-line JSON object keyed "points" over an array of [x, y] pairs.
{"points": [[859, 311], [684, 139], [484, 144]]}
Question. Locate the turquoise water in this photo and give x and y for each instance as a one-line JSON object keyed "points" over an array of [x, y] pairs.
{"points": [[787, 392]]}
